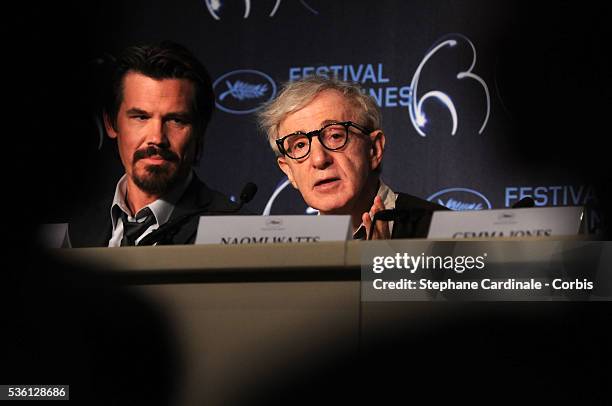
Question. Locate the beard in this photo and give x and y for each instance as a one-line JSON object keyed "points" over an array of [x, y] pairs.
{"points": [[158, 179]]}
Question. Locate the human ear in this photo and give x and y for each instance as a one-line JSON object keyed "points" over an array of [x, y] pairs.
{"points": [[110, 130], [377, 148]]}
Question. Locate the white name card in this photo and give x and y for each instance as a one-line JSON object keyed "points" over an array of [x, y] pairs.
{"points": [[500, 223], [272, 229]]}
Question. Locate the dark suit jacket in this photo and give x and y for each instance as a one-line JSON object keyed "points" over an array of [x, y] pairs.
{"points": [[93, 226], [415, 216]]}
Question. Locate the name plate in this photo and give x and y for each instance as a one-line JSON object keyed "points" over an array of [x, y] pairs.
{"points": [[272, 229], [500, 223]]}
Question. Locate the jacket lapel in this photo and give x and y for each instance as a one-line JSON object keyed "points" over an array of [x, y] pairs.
{"points": [[197, 196]]}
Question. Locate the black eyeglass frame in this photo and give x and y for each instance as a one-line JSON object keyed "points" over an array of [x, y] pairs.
{"points": [[317, 133]]}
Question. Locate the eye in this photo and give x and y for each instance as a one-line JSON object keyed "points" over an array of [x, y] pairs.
{"points": [[334, 136], [178, 121], [296, 143], [140, 117]]}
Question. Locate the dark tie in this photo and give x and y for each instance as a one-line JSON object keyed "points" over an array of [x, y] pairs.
{"points": [[134, 229]]}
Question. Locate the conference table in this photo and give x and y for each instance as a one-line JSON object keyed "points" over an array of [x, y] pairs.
{"points": [[243, 315]]}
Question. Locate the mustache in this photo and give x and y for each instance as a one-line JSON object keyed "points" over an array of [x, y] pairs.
{"points": [[153, 151]]}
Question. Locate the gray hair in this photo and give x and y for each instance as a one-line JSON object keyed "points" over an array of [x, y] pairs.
{"points": [[296, 95]]}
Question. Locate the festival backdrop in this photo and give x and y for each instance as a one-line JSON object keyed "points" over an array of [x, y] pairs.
{"points": [[483, 102]]}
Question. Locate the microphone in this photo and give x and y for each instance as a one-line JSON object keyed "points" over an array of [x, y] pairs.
{"points": [[247, 194], [526, 201], [167, 230]]}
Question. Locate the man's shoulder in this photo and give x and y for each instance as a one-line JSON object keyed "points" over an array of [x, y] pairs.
{"points": [[418, 213], [406, 201], [198, 200], [200, 195]]}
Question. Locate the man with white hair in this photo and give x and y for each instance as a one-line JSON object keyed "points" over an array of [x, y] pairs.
{"points": [[328, 140]]}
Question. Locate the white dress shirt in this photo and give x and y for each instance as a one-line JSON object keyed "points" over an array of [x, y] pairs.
{"points": [[161, 208]]}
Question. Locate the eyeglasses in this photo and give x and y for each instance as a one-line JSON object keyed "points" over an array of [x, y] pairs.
{"points": [[332, 136]]}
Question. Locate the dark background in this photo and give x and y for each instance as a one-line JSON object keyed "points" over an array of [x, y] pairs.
{"points": [[545, 66]]}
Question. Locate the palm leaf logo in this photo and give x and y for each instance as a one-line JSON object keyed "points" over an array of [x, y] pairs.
{"points": [[241, 90]]}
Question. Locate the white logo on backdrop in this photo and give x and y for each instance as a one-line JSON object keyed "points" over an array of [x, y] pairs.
{"points": [[461, 199], [215, 6], [417, 115], [243, 91]]}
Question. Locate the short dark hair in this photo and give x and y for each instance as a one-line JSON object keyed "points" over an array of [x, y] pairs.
{"points": [[163, 60]]}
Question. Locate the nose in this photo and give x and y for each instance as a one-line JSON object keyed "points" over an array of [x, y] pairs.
{"points": [[156, 133], [320, 157]]}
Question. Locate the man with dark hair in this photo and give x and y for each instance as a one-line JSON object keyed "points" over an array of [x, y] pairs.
{"points": [[160, 103]]}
